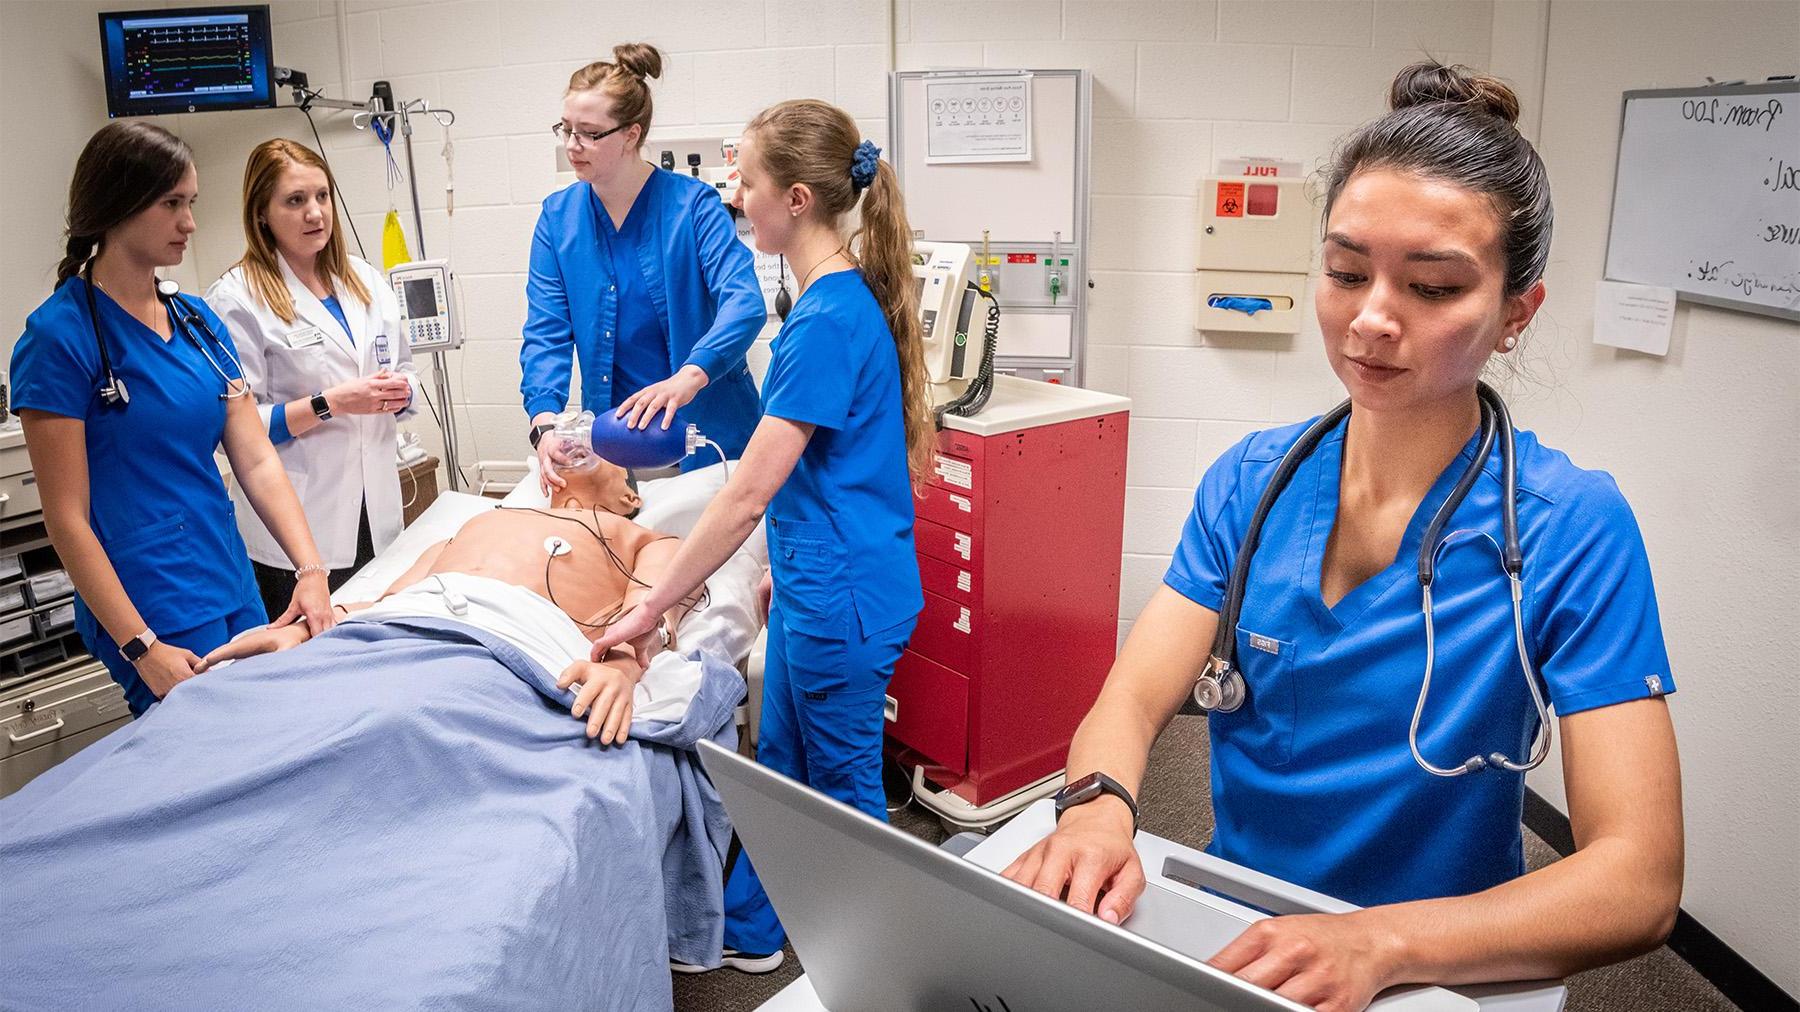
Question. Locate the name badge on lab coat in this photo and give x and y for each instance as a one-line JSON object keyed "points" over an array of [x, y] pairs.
{"points": [[310, 337], [382, 356]]}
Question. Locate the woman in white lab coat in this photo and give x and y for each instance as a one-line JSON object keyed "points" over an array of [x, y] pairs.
{"points": [[319, 334]]}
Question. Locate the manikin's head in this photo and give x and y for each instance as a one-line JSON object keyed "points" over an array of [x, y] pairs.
{"points": [[597, 483]]}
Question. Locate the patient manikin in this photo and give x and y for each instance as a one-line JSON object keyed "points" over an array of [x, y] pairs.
{"points": [[583, 554]]}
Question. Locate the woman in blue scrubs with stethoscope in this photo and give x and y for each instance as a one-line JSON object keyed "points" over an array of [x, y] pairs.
{"points": [[126, 388], [638, 274], [1374, 677], [846, 430]]}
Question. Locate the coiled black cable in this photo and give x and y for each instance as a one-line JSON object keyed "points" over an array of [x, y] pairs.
{"points": [[981, 387]]}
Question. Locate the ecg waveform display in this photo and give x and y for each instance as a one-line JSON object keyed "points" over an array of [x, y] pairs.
{"points": [[166, 58]]}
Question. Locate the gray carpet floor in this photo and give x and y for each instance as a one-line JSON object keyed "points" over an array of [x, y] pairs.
{"points": [[1176, 805]]}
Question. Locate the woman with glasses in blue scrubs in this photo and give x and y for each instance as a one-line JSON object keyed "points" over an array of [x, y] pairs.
{"points": [[846, 431], [1437, 230], [126, 389], [637, 273]]}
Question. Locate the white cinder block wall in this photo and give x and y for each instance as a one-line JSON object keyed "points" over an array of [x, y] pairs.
{"points": [[1179, 84], [502, 65], [1699, 441]]}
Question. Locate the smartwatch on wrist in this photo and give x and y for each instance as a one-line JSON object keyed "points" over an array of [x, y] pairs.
{"points": [[136, 647], [321, 406], [1090, 787], [537, 432]]}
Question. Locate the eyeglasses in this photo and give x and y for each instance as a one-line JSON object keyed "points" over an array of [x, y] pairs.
{"points": [[583, 138]]}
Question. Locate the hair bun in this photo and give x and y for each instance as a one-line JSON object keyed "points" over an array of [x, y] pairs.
{"points": [[638, 59], [1432, 83]]}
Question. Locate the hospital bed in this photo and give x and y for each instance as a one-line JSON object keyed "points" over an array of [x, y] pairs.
{"points": [[401, 812]]}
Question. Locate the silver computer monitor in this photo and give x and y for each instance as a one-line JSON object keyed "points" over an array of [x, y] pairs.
{"points": [[882, 920]]}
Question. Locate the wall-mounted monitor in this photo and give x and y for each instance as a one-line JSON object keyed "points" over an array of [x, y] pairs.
{"points": [[188, 59]]}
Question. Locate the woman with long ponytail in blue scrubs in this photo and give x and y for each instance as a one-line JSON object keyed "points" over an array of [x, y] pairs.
{"points": [[1399, 649], [126, 388], [637, 274], [845, 434]]}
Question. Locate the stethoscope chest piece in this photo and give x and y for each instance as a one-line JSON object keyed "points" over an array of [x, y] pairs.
{"points": [[1220, 688]]}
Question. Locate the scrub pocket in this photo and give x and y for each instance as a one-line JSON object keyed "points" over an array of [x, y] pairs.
{"points": [[157, 565], [811, 569], [1263, 728]]}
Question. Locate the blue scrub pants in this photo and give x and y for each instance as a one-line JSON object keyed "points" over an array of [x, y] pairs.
{"points": [[202, 639], [822, 713]]}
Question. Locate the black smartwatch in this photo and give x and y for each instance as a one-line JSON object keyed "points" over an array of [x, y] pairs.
{"points": [[537, 432], [1090, 787], [321, 406]]}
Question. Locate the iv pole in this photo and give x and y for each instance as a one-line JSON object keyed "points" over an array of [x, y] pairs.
{"points": [[367, 112]]}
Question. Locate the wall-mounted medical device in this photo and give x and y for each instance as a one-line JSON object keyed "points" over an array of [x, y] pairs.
{"points": [[1016, 193], [427, 315], [946, 306], [190, 59], [1255, 253]]}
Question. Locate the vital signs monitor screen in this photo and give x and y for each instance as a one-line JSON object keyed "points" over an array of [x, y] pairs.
{"points": [[190, 59]]}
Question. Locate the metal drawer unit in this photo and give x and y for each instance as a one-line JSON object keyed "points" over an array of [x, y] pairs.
{"points": [[50, 715]]}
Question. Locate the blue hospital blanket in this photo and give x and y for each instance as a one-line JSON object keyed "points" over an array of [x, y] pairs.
{"points": [[393, 815]]}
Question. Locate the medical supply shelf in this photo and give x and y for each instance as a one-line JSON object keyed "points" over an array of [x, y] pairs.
{"points": [[55, 699], [1019, 537], [37, 606]]}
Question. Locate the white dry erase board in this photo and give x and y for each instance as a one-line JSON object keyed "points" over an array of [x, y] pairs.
{"points": [[1706, 196]]}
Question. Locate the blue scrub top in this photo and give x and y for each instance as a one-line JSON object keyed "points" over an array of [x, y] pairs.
{"points": [[155, 497], [841, 527], [337, 313], [701, 283], [1312, 780], [641, 349]]}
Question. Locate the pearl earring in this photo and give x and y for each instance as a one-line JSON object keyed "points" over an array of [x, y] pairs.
{"points": [[1509, 343]]}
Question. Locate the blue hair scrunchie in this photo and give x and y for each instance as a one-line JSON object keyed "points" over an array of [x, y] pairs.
{"points": [[863, 164]]}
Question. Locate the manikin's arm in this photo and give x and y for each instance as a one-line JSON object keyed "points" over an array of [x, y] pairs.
{"points": [[652, 561], [274, 638]]}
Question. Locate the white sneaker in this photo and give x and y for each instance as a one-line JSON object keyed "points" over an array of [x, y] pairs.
{"points": [[746, 962]]}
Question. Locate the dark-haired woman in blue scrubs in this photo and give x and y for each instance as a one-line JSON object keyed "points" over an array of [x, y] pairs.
{"points": [[126, 390]]}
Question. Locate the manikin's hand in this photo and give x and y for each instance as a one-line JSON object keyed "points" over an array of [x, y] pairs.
{"points": [[604, 698], [267, 640]]}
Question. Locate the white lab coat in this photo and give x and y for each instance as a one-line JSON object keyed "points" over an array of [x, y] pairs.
{"points": [[340, 464]]}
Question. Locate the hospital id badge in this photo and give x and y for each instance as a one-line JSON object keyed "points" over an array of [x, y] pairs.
{"points": [[308, 338], [382, 357]]}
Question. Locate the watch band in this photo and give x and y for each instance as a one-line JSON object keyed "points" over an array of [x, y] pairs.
{"points": [[537, 432], [321, 406], [136, 647], [1090, 787]]}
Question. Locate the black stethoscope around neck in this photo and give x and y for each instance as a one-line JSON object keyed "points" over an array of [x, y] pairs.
{"points": [[1221, 688], [182, 318]]}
